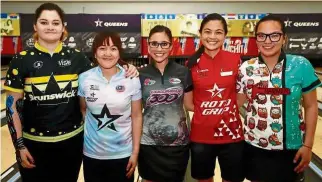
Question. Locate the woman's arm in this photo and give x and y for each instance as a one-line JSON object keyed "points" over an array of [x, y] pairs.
{"points": [[136, 115], [188, 101], [82, 104], [311, 116], [15, 99], [241, 99], [14, 122]]}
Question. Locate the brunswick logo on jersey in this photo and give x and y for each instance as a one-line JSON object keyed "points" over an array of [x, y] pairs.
{"points": [[216, 104], [53, 94]]}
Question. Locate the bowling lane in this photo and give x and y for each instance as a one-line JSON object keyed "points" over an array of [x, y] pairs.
{"points": [[7, 149]]}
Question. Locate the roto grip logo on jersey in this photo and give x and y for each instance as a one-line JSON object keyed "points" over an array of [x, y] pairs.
{"points": [[215, 107], [167, 96]]}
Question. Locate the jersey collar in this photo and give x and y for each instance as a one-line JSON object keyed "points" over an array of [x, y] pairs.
{"points": [[43, 49], [170, 62], [210, 58], [118, 74]]}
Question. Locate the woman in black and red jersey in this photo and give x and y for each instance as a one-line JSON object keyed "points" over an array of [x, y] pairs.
{"points": [[216, 128]]}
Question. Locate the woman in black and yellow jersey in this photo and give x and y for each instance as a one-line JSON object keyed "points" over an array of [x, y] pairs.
{"points": [[43, 112]]}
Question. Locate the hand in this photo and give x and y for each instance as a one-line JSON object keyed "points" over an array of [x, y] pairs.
{"points": [[131, 165], [305, 154], [25, 158], [131, 71], [142, 66]]}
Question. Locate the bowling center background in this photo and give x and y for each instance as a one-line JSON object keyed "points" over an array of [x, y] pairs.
{"points": [[304, 33]]}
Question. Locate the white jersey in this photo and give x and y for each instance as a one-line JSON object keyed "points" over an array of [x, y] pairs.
{"points": [[108, 124]]}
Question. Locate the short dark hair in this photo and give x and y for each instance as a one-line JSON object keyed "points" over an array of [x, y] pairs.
{"points": [[159, 29], [105, 36], [271, 17]]}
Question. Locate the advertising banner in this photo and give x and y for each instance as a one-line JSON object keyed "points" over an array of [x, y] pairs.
{"points": [[298, 23], [186, 46], [304, 43], [187, 25], [10, 24], [304, 33], [82, 29]]}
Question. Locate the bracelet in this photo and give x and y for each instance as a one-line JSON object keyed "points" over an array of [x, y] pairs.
{"points": [[19, 144], [307, 146]]}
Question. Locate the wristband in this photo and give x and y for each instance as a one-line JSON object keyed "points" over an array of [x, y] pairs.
{"points": [[19, 144], [307, 146]]}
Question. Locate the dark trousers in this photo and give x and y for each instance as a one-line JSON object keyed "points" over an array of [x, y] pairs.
{"points": [[55, 162]]}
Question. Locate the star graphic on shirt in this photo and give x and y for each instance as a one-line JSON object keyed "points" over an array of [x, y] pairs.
{"points": [[106, 119], [98, 22], [288, 23], [216, 91]]}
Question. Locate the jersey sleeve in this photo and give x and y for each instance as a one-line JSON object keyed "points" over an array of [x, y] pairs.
{"points": [[86, 64], [240, 83], [137, 93], [15, 76], [310, 79], [81, 80], [188, 82]]}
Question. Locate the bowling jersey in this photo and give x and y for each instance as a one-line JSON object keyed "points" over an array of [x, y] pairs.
{"points": [[274, 118], [164, 117], [216, 117], [108, 123], [49, 83]]}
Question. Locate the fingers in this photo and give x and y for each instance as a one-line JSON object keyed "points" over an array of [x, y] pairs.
{"points": [[128, 167], [125, 67], [131, 72], [27, 160], [130, 171], [300, 168], [297, 156]]}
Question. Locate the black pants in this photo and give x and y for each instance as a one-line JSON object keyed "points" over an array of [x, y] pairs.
{"points": [[55, 162], [270, 166], [113, 170], [230, 157]]}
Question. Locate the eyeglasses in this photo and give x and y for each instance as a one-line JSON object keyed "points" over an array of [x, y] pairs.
{"points": [[274, 37], [164, 45]]}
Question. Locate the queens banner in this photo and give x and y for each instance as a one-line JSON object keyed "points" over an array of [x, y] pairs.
{"points": [[82, 29]]}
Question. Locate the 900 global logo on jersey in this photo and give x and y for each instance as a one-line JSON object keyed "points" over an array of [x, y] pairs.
{"points": [[167, 96]]}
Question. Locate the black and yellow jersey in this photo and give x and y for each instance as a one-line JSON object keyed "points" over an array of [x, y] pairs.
{"points": [[49, 82]]}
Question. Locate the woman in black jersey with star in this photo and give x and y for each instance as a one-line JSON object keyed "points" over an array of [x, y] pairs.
{"points": [[42, 106]]}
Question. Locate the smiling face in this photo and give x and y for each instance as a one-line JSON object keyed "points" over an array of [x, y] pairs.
{"points": [[212, 35], [159, 46], [49, 26], [270, 38], [107, 55]]}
